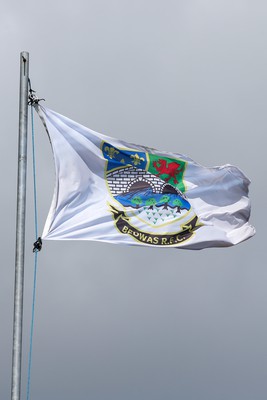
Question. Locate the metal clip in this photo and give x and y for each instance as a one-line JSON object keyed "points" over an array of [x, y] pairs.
{"points": [[37, 246], [33, 99]]}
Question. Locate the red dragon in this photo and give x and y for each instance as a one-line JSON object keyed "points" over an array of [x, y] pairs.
{"points": [[171, 169]]}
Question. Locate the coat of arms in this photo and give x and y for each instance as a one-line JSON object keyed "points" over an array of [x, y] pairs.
{"points": [[148, 192]]}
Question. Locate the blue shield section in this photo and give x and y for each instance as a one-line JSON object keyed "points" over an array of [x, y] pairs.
{"points": [[146, 197], [118, 158]]}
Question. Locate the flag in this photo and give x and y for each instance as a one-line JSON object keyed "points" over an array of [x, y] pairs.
{"points": [[112, 191]]}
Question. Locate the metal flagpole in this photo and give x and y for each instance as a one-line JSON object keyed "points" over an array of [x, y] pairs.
{"points": [[20, 229]]}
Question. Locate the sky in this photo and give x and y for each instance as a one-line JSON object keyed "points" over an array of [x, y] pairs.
{"points": [[127, 323]]}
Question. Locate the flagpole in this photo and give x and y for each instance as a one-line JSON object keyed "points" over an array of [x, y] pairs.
{"points": [[20, 227]]}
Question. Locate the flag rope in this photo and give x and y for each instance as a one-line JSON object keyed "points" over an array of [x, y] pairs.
{"points": [[36, 249]]}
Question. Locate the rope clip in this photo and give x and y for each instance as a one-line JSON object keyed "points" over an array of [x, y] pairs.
{"points": [[37, 246], [33, 99]]}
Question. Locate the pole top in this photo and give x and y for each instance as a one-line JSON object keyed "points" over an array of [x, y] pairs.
{"points": [[25, 55]]}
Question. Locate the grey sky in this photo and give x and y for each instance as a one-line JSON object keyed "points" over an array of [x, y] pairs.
{"points": [[117, 323]]}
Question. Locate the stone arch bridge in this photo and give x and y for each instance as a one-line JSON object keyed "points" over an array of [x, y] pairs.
{"points": [[126, 179]]}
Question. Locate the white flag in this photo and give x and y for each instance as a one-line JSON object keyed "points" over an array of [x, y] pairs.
{"points": [[112, 191]]}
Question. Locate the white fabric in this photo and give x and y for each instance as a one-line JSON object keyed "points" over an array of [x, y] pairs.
{"points": [[81, 206]]}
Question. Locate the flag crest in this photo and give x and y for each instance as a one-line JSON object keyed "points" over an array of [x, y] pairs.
{"points": [[148, 196]]}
